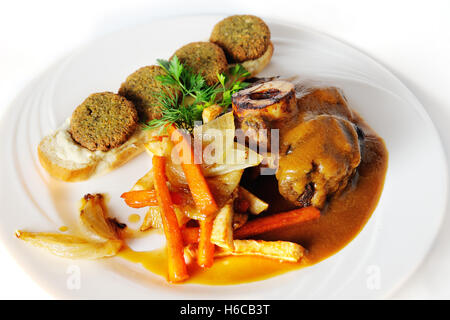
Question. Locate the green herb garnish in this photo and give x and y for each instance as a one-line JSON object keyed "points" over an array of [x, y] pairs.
{"points": [[185, 109], [231, 84]]}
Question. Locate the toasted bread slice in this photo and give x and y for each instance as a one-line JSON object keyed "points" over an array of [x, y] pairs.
{"points": [[257, 65], [66, 160]]}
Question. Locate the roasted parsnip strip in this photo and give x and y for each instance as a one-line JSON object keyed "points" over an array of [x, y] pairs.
{"points": [[256, 205], [72, 247], [153, 218], [281, 250], [222, 231], [144, 183]]}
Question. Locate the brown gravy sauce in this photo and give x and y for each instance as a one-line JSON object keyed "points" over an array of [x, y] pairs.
{"points": [[341, 220], [343, 217]]}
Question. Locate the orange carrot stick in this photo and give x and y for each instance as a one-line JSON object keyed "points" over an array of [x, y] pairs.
{"points": [[202, 196], [198, 186], [260, 225], [205, 256], [190, 235], [145, 198], [175, 252], [275, 221]]}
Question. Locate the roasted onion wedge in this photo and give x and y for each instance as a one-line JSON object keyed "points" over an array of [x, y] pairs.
{"points": [[94, 219]]}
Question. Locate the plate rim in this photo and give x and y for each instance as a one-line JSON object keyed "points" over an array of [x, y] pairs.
{"points": [[418, 106]]}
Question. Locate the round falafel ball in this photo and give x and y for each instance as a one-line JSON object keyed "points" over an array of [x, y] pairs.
{"points": [[204, 58], [142, 88], [103, 121], [242, 37]]}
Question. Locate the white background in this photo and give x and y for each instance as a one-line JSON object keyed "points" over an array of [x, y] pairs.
{"points": [[410, 37]]}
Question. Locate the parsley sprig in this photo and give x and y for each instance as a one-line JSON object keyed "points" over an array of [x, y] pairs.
{"points": [[232, 83], [185, 107]]}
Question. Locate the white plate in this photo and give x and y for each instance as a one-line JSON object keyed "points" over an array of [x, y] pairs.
{"points": [[381, 257]]}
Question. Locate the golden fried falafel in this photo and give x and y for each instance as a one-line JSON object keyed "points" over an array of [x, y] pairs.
{"points": [[103, 121], [242, 37], [142, 88], [204, 58]]}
